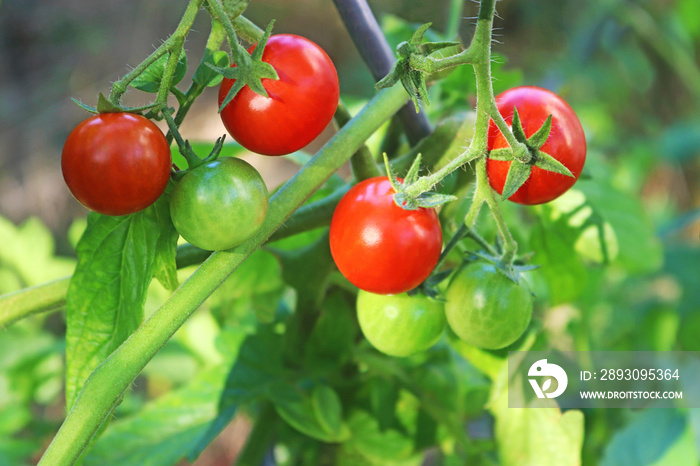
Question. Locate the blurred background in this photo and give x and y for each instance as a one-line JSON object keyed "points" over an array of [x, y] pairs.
{"points": [[630, 69]]}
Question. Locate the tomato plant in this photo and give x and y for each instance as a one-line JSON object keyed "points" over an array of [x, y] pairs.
{"points": [[379, 246], [220, 204], [486, 308], [269, 326], [566, 143], [299, 105], [116, 163]]}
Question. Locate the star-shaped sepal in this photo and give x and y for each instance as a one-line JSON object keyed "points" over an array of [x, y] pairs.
{"points": [[249, 70], [412, 65], [520, 168]]}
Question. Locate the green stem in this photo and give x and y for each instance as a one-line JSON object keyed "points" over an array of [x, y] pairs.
{"points": [[510, 246], [453, 19], [173, 43], [51, 296], [260, 438], [362, 162], [247, 30], [46, 297], [105, 386], [237, 51]]}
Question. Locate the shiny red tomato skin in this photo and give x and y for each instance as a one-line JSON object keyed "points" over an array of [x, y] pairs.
{"points": [[566, 143], [300, 104], [380, 247], [116, 163]]}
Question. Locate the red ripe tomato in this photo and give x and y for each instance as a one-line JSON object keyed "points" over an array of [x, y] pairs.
{"points": [[566, 143], [300, 104], [380, 247], [116, 163]]}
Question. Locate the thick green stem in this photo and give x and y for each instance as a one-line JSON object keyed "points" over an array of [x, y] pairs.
{"points": [[174, 43], [260, 438], [510, 246], [362, 162], [46, 297], [107, 383], [237, 50]]}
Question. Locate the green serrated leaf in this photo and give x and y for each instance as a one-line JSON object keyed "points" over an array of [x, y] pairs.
{"points": [[538, 139], [206, 75], [107, 293], [517, 126], [504, 155], [549, 163], [518, 173], [149, 80]]}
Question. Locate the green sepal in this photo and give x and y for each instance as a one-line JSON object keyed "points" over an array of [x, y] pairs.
{"points": [[518, 173], [429, 200], [85, 107], [417, 36], [392, 176], [250, 71], [504, 154], [546, 162], [431, 47], [538, 139], [104, 105], [517, 126], [412, 175]]}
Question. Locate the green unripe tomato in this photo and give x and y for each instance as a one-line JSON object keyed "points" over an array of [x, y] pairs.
{"points": [[220, 204], [485, 308], [400, 325]]}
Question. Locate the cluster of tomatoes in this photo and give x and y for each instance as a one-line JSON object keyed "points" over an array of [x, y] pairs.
{"points": [[386, 250], [120, 163]]}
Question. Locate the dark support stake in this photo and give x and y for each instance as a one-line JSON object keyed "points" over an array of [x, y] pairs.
{"points": [[377, 54]]}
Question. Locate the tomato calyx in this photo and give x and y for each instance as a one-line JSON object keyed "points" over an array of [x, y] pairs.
{"points": [[521, 165], [249, 70], [513, 270], [402, 199], [104, 105], [412, 64]]}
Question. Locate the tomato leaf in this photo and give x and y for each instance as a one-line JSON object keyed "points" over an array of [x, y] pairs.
{"points": [[549, 163], [205, 76], [301, 411], [150, 79], [518, 173], [672, 435], [106, 295], [542, 435], [167, 429], [166, 246]]}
